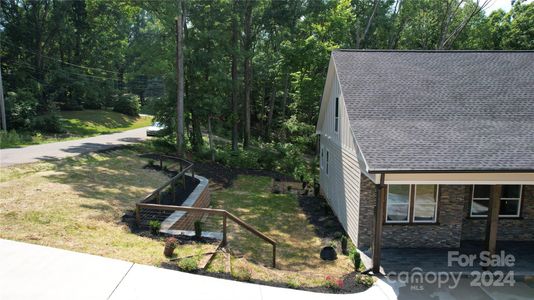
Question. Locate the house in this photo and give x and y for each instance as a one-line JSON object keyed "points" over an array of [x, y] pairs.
{"points": [[429, 148]]}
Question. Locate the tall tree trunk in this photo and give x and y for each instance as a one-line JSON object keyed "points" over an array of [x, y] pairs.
{"points": [[247, 70], [180, 82], [361, 38], [196, 139], [210, 137], [272, 98], [235, 113]]}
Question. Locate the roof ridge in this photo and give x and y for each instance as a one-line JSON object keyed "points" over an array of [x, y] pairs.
{"points": [[433, 51]]}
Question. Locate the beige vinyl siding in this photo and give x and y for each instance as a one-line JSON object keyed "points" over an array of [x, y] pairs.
{"points": [[342, 183]]}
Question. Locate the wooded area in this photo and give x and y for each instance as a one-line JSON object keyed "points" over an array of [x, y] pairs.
{"points": [[254, 69]]}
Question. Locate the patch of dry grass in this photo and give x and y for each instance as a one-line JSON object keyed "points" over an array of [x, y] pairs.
{"points": [[77, 204], [280, 217]]}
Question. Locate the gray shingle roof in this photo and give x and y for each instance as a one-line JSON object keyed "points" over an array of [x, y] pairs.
{"points": [[440, 111]]}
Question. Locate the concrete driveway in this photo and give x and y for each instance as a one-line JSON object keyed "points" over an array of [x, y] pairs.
{"points": [[53, 151], [36, 272]]}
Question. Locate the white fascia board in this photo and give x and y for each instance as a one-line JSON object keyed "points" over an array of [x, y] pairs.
{"points": [[326, 94], [460, 178]]}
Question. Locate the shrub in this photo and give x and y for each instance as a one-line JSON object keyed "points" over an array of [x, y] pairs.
{"points": [[344, 245], [198, 229], [293, 283], [21, 108], [333, 283], [127, 104], [9, 138], [48, 123], [188, 264], [154, 226], [365, 280], [355, 258], [241, 273]]}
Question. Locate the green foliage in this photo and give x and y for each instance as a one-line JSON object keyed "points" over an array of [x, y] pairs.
{"points": [[241, 272], [127, 104], [333, 283], [21, 108], [188, 264], [355, 258], [154, 226], [365, 280], [49, 123], [344, 245], [198, 229], [293, 283]]}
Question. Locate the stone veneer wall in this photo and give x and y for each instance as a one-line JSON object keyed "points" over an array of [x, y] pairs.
{"points": [[445, 234], [516, 229]]}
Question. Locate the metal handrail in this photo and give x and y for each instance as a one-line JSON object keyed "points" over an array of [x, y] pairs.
{"points": [[221, 212], [182, 172]]}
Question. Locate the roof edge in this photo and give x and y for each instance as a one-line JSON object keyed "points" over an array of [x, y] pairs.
{"points": [[433, 51], [396, 171]]}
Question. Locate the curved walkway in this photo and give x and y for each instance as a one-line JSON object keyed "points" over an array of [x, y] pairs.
{"points": [[53, 151], [36, 272]]}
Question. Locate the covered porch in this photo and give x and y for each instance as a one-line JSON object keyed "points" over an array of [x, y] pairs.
{"points": [[436, 259], [386, 259]]}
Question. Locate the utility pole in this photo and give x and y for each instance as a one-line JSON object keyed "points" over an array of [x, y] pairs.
{"points": [[180, 81], [2, 106]]}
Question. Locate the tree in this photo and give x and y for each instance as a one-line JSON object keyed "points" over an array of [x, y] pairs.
{"points": [[180, 23], [247, 48]]}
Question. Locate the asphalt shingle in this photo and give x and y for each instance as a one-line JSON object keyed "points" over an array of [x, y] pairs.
{"points": [[440, 111]]}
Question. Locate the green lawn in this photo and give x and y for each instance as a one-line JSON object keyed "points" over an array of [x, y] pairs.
{"points": [[78, 124], [77, 204]]}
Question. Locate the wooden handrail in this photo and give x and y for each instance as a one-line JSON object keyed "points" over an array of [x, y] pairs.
{"points": [[173, 179], [220, 212]]}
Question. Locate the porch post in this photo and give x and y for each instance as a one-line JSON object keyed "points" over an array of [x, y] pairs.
{"points": [[493, 218], [379, 217]]}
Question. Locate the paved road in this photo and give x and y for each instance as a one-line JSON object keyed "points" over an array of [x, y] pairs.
{"points": [[60, 150], [36, 272]]}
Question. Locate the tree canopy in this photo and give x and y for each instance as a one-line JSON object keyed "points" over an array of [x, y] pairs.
{"points": [[254, 69]]}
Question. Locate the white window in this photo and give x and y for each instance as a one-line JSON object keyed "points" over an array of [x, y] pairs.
{"points": [[336, 116], [327, 160], [321, 159], [510, 201], [425, 203], [398, 203], [400, 200]]}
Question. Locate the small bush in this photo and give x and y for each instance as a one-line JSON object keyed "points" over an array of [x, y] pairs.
{"points": [[127, 104], [154, 226], [9, 138], [333, 283], [365, 280], [188, 264], [21, 108], [241, 273], [293, 283], [198, 229], [344, 245], [355, 258], [48, 123]]}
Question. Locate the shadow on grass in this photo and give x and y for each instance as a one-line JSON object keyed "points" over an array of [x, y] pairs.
{"points": [[114, 176]]}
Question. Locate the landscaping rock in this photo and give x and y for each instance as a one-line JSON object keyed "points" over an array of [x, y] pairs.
{"points": [[328, 253]]}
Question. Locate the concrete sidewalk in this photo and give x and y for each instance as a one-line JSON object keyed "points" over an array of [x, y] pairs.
{"points": [[36, 272], [52, 151]]}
